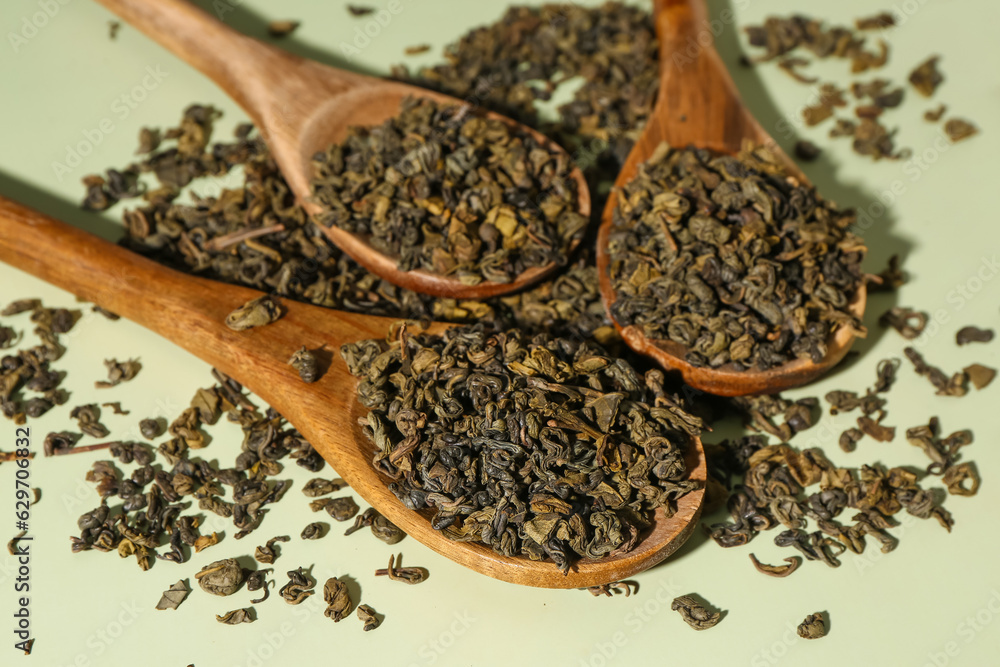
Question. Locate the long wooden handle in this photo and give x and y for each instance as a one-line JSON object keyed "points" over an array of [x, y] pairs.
{"points": [[96, 270], [698, 102], [269, 83]]}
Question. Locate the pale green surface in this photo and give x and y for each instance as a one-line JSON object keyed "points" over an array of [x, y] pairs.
{"points": [[905, 608]]}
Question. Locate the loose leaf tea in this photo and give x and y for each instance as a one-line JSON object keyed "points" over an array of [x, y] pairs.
{"points": [[300, 586], [879, 21], [381, 527], [118, 372], [953, 386], [926, 77], [955, 477], [268, 552], [813, 627], [417, 50], [446, 191], [358, 10], [608, 590], [237, 616], [223, 577], [807, 150], [150, 429], [731, 260], [116, 407], [968, 335], [909, 323], [87, 417], [306, 364], [321, 487], [257, 580], [408, 575], [958, 129], [582, 453], [255, 313], [980, 375], [341, 509], [313, 531], [338, 601], [777, 570], [173, 596], [694, 614], [368, 617]]}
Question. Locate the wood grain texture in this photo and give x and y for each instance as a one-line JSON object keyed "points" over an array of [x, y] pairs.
{"points": [[699, 105], [301, 107], [190, 312]]}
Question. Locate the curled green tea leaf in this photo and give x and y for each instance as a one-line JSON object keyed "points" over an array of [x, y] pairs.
{"points": [[256, 313]]}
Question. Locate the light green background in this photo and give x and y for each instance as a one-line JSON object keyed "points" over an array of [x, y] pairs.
{"points": [[937, 593]]}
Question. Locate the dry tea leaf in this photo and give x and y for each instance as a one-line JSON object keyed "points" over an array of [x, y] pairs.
{"points": [[777, 570], [342, 509], [813, 627], [338, 600], [955, 477], [116, 408], [257, 580], [321, 487], [150, 429], [358, 10], [306, 364], [280, 29], [237, 616], [875, 430], [313, 531], [268, 552], [608, 590], [953, 386], [934, 115], [173, 596], [880, 21], [967, 335], [958, 129], [255, 313], [205, 541], [926, 77], [694, 614], [223, 577], [416, 50], [381, 527], [980, 375], [300, 586], [849, 439], [368, 617], [118, 372], [909, 323], [408, 575]]}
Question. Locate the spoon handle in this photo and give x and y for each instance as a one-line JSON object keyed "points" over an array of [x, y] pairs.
{"points": [[698, 102], [276, 88]]}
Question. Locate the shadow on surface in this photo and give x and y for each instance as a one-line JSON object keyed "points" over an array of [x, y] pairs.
{"points": [[56, 207]]}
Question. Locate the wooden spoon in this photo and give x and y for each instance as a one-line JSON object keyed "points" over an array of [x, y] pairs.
{"points": [[302, 107], [190, 312], [698, 105]]}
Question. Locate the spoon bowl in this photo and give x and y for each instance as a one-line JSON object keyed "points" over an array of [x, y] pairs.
{"points": [[190, 311], [301, 107], [698, 105]]}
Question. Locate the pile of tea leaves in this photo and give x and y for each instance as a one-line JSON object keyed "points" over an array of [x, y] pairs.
{"points": [[541, 447], [733, 259], [446, 190]]}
